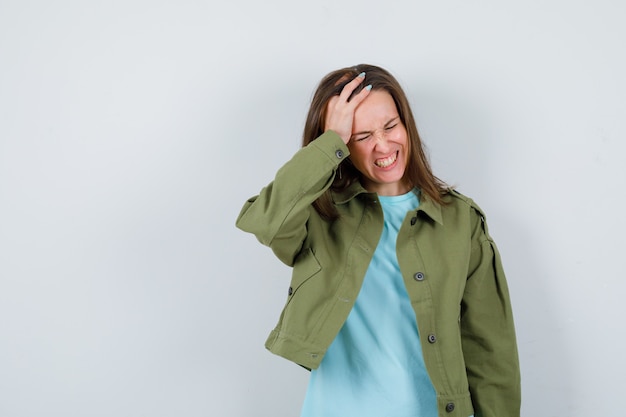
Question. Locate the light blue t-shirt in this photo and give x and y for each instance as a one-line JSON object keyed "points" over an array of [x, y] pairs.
{"points": [[375, 366]]}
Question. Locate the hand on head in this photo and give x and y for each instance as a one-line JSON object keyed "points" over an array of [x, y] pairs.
{"points": [[340, 111]]}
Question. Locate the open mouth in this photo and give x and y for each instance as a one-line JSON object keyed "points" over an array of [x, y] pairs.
{"points": [[385, 162]]}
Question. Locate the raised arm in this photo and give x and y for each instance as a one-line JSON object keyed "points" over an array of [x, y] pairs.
{"points": [[278, 215]]}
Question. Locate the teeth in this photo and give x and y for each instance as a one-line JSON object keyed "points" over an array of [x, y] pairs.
{"points": [[384, 163]]}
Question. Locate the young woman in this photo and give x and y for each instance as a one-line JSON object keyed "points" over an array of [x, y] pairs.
{"points": [[398, 302]]}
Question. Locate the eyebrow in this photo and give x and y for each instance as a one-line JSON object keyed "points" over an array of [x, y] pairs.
{"points": [[369, 131]]}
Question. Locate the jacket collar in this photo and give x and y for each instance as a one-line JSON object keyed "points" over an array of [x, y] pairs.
{"points": [[427, 206], [348, 193], [430, 208]]}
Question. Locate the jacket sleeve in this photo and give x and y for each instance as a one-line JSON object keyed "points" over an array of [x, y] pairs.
{"points": [[487, 330], [279, 214]]}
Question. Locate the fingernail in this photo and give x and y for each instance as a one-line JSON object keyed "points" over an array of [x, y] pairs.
{"points": [[369, 87], [362, 75]]}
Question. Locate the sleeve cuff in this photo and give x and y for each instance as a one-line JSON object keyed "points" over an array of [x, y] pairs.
{"points": [[331, 145]]}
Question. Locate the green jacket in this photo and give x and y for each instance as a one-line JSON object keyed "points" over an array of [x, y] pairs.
{"points": [[450, 265]]}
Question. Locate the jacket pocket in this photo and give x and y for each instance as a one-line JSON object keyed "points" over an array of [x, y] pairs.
{"points": [[307, 297], [305, 266]]}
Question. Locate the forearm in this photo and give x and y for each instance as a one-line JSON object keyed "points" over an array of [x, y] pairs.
{"points": [[278, 215]]}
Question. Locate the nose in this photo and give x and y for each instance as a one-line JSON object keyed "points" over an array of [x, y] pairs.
{"points": [[381, 139]]}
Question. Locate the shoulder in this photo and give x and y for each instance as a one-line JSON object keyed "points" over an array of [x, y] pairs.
{"points": [[467, 208], [476, 215], [456, 198]]}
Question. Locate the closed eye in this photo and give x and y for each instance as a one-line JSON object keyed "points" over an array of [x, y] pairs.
{"points": [[360, 138], [388, 128]]}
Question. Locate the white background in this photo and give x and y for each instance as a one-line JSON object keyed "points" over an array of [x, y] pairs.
{"points": [[131, 133]]}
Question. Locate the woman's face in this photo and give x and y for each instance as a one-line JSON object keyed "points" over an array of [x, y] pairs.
{"points": [[379, 145]]}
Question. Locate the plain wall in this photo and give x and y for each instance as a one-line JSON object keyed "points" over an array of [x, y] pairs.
{"points": [[132, 132]]}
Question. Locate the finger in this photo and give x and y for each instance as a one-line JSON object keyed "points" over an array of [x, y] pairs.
{"points": [[351, 86], [361, 95]]}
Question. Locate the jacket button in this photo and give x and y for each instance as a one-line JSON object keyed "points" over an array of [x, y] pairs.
{"points": [[339, 153], [450, 407], [419, 276], [432, 338], [290, 291], [413, 221]]}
